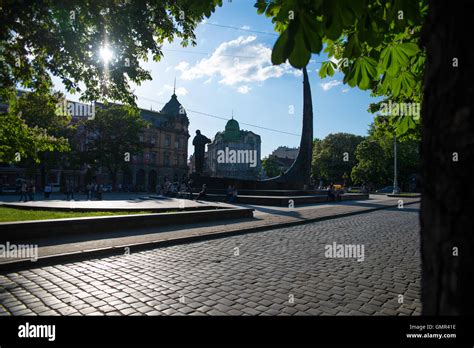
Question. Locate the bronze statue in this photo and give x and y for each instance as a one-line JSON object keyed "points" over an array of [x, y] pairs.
{"points": [[199, 143]]}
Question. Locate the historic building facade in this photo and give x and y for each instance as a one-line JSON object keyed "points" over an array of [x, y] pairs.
{"points": [[234, 153], [166, 148], [164, 156]]}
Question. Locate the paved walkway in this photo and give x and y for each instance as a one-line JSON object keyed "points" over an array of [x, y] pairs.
{"points": [[283, 271], [116, 202], [264, 218]]}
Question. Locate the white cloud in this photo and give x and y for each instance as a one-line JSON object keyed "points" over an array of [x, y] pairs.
{"points": [[182, 66], [237, 61], [328, 85], [180, 91], [244, 89], [245, 27], [345, 90]]}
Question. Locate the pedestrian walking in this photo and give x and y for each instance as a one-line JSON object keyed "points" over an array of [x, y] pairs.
{"points": [[89, 191], [31, 190], [23, 191], [100, 190], [69, 191], [94, 190], [47, 191]]}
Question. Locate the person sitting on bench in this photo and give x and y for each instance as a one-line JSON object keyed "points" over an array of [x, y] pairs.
{"points": [[330, 190], [202, 194]]}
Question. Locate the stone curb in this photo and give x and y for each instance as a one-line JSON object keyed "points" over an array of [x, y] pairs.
{"points": [[136, 247], [21, 230]]}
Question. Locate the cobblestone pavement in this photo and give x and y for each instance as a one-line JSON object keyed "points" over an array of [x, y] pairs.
{"points": [[277, 272]]}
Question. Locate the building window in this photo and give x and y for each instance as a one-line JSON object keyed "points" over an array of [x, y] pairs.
{"points": [[167, 159], [152, 140], [176, 144], [176, 163], [167, 141], [140, 137]]}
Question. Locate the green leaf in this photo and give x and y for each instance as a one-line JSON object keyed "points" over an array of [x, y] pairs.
{"points": [[362, 72], [327, 69], [402, 84], [279, 52], [395, 57], [311, 36], [300, 55]]}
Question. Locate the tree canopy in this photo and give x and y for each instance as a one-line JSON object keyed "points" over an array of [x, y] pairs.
{"points": [[375, 156], [32, 127], [114, 137], [65, 38], [334, 156], [270, 166], [374, 43]]}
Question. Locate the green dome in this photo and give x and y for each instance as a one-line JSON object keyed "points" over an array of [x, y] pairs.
{"points": [[232, 130], [232, 125]]}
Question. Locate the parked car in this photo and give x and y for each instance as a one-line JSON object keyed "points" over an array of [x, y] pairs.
{"points": [[107, 188], [355, 189], [386, 189]]}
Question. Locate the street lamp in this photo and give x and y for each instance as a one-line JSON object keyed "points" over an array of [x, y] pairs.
{"points": [[396, 189], [395, 181]]}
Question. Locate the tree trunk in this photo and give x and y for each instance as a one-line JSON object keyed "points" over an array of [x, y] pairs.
{"points": [[447, 220]]}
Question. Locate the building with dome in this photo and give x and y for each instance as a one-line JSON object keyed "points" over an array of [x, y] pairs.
{"points": [[234, 153], [166, 147]]}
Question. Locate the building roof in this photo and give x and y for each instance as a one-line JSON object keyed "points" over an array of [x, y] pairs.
{"points": [[173, 107], [233, 133]]}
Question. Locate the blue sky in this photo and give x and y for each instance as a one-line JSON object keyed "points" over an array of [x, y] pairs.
{"points": [[247, 84]]}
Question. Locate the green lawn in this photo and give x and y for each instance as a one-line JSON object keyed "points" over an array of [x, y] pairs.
{"points": [[12, 214], [407, 194]]}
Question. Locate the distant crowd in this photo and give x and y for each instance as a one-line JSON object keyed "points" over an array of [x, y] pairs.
{"points": [[96, 191]]}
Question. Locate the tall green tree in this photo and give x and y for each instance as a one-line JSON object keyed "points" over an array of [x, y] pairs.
{"points": [[375, 158], [32, 128], [270, 166], [65, 38], [371, 169], [114, 138], [334, 156]]}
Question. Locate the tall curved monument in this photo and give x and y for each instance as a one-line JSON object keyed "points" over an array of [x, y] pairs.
{"points": [[299, 173]]}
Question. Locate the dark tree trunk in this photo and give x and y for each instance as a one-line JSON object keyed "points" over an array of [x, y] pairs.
{"points": [[447, 214]]}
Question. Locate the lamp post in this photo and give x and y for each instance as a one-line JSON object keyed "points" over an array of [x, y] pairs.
{"points": [[395, 181]]}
